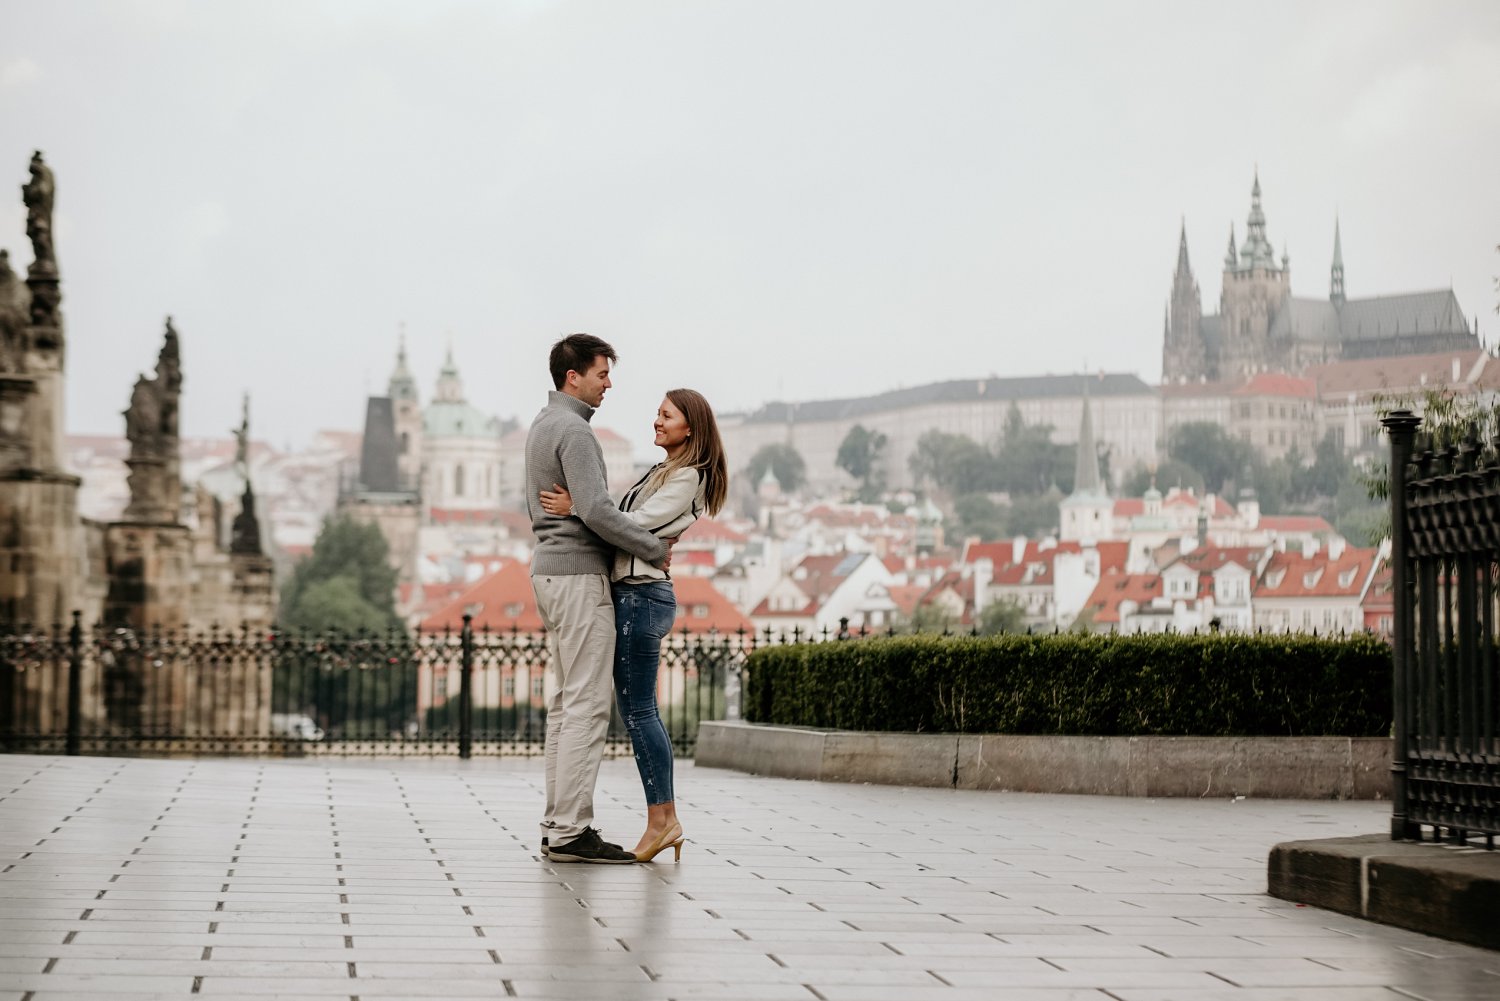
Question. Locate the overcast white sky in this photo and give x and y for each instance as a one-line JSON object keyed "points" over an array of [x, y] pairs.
{"points": [[763, 200]]}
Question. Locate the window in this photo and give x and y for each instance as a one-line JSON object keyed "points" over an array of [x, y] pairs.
{"points": [[458, 480], [700, 611], [508, 687], [513, 610], [537, 691]]}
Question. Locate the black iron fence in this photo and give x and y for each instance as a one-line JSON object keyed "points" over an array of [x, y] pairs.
{"points": [[1445, 557], [75, 690]]}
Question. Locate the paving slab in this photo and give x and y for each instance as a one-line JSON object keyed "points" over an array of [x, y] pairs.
{"points": [[242, 878]]}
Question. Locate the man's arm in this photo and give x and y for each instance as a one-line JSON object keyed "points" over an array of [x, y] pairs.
{"points": [[584, 475]]}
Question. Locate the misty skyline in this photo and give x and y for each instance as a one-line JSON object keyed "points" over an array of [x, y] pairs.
{"points": [[763, 201]]}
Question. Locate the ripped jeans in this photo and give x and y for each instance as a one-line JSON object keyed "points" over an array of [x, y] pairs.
{"points": [[644, 614]]}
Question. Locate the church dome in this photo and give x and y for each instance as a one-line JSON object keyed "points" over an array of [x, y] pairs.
{"points": [[458, 419]]}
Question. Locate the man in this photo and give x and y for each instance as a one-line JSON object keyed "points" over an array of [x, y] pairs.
{"points": [[570, 576]]}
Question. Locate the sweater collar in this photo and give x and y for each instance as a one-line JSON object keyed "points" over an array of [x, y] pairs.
{"points": [[557, 398]]}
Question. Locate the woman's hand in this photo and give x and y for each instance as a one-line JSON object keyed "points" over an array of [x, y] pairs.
{"points": [[557, 501]]}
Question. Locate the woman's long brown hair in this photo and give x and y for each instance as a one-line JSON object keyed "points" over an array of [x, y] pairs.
{"points": [[703, 450]]}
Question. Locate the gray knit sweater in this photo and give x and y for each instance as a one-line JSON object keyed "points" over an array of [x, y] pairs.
{"points": [[561, 449]]}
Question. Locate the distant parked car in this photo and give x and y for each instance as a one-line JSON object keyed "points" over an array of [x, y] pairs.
{"points": [[296, 725]]}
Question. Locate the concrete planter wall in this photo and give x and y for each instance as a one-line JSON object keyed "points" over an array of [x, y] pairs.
{"points": [[1266, 767]]}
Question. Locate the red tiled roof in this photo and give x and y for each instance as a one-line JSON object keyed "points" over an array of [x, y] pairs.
{"points": [[517, 523], [608, 437], [1112, 556], [1289, 523], [464, 516], [1132, 507], [1210, 558], [501, 600], [1277, 384], [709, 530], [1189, 390], [1290, 575], [764, 610], [906, 596], [1115, 588], [504, 601], [698, 594], [1405, 373], [819, 581], [1380, 596]]}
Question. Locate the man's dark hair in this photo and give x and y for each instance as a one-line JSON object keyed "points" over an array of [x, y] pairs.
{"points": [[576, 353]]}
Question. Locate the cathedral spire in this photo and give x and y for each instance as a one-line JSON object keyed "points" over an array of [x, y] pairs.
{"points": [[1257, 251], [1184, 269], [1336, 276], [1232, 258]]}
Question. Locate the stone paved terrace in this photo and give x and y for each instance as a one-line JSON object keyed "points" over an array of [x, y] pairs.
{"points": [[136, 879]]}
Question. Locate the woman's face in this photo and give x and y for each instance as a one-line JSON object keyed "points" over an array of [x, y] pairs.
{"points": [[671, 428]]}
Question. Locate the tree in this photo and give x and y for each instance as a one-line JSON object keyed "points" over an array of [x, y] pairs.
{"points": [[860, 456], [1033, 516], [345, 583], [1002, 617], [1210, 450], [930, 618], [785, 463], [954, 462], [1168, 475], [979, 516], [1027, 459], [1446, 419]]}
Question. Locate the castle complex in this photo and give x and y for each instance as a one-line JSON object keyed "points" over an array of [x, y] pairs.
{"points": [[1262, 327], [1275, 370]]}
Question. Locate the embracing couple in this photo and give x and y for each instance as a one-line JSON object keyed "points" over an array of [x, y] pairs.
{"points": [[604, 594]]}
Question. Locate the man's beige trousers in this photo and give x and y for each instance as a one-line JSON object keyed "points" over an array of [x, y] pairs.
{"points": [[580, 618]]}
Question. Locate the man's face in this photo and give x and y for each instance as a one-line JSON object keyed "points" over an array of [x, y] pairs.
{"points": [[590, 386]]}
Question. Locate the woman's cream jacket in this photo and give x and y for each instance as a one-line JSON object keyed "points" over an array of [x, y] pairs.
{"points": [[665, 511]]}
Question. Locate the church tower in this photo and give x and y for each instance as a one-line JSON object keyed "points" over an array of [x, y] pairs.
{"points": [[1336, 275], [1255, 289], [1086, 512], [1182, 340], [406, 406]]}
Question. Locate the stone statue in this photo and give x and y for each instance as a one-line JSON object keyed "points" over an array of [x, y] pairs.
{"points": [[37, 194], [169, 381], [244, 534], [242, 441], [143, 418]]}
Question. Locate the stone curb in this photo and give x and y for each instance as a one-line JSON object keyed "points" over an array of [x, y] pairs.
{"points": [[1445, 891], [1266, 767]]}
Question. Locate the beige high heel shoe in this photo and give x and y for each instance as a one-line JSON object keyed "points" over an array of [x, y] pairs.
{"points": [[670, 838]]}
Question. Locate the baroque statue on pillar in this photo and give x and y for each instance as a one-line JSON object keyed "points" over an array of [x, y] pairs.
{"points": [[42, 276], [38, 194], [151, 429]]}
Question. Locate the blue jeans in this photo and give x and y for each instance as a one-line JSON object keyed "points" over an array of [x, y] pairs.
{"points": [[644, 614]]}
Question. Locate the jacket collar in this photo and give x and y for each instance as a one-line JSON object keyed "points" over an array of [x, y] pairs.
{"points": [[557, 398]]}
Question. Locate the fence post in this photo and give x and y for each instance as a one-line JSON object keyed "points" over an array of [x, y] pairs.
{"points": [[466, 690], [75, 686], [1402, 426]]}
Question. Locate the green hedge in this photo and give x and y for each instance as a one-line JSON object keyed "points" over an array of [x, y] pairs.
{"points": [[1213, 685]]}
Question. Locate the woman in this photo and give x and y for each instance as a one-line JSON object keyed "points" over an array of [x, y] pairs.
{"points": [[690, 481]]}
